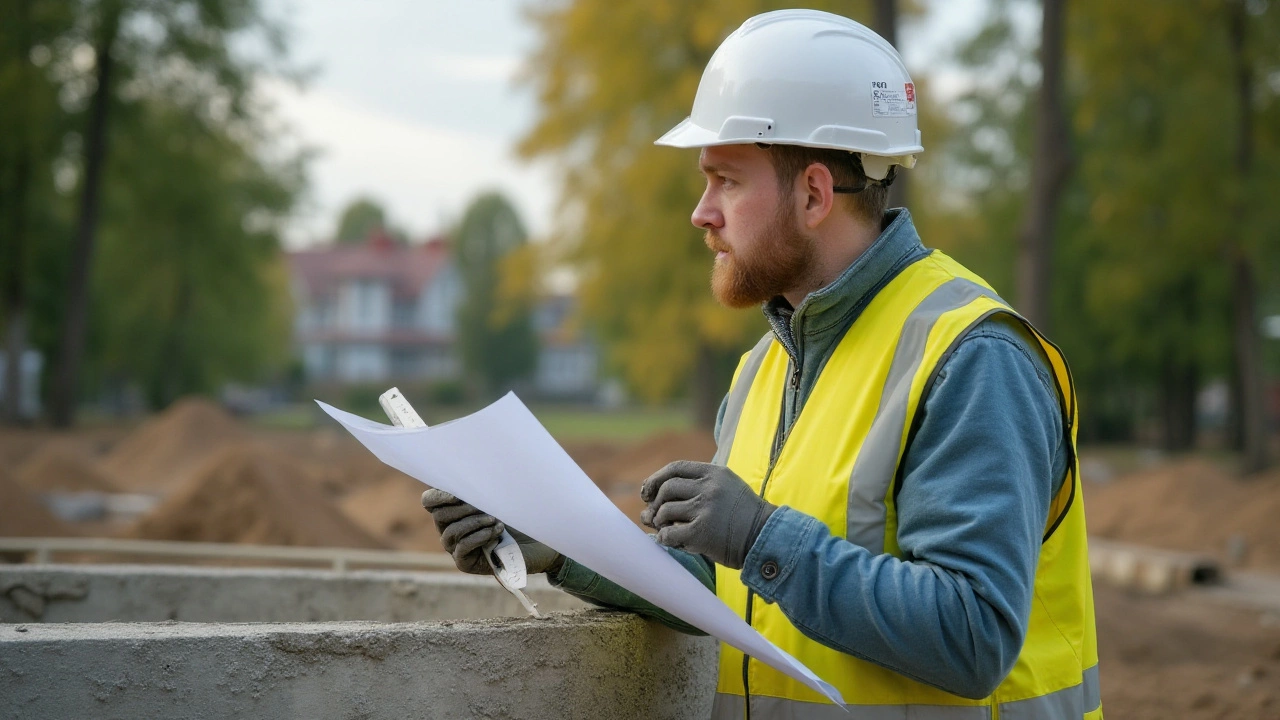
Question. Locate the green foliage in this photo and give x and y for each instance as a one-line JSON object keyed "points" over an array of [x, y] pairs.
{"points": [[196, 287], [188, 287], [610, 78], [1141, 281], [360, 218], [976, 164], [495, 328]]}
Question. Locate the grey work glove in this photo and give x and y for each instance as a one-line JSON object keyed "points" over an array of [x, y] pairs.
{"points": [[465, 531], [704, 509]]}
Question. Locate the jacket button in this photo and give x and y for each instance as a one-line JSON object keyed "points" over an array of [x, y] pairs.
{"points": [[769, 570]]}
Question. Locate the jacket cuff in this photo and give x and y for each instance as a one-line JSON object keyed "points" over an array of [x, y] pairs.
{"points": [[772, 559], [574, 578]]}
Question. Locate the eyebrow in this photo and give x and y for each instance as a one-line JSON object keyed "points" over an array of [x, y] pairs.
{"points": [[713, 169]]}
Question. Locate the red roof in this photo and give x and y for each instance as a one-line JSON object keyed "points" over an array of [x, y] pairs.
{"points": [[407, 268]]}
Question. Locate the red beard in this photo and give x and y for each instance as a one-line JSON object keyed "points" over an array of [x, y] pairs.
{"points": [[775, 263]]}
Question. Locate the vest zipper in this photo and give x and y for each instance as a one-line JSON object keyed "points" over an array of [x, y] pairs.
{"points": [[779, 437]]}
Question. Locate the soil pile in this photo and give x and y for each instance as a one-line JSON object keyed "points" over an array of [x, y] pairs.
{"points": [[1185, 656], [250, 494], [618, 470], [391, 510], [595, 457], [63, 466], [22, 515], [338, 462], [1192, 504], [629, 467], [163, 452]]}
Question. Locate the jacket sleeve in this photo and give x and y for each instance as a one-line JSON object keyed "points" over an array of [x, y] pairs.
{"points": [[585, 584], [952, 612]]}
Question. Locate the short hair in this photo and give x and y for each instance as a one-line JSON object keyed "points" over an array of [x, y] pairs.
{"points": [[846, 171]]}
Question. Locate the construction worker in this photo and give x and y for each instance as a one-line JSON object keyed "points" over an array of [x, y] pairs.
{"points": [[895, 497]]}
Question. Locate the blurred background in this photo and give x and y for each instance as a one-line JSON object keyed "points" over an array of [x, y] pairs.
{"points": [[213, 211]]}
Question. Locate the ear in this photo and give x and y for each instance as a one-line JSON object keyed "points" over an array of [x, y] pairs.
{"points": [[815, 186]]}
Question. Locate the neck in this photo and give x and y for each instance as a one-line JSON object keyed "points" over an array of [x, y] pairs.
{"points": [[835, 248]]}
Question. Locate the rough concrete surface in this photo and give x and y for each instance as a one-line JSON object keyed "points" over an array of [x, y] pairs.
{"points": [[582, 664], [150, 593]]}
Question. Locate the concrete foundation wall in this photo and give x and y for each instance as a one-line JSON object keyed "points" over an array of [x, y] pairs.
{"points": [[272, 643], [150, 593], [582, 664]]}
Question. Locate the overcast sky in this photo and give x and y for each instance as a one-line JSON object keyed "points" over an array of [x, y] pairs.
{"points": [[412, 103]]}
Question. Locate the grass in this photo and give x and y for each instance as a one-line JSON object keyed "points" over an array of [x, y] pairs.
{"points": [[564, 422], [579, 424]]}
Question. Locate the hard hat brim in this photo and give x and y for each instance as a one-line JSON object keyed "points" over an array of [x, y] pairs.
{"points": [[688, 135]]}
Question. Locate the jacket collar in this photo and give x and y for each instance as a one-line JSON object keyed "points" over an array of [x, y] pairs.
{"points": [[839, 303]]}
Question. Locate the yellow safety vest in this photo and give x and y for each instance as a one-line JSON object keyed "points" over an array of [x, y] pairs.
{"points": [[839, 464]]}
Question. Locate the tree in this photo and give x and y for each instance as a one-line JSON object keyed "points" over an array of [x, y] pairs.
{"points": [[191, 271], [141, 49], [495, 328], [610, 78], [358, 219], [886, 25], [28, 135], [1249, 396], [1170, 202], [1050, 166]]}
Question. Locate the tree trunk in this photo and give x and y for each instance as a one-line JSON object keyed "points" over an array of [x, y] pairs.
{"points": [[1233, 432], [1050, 167], [170, 384], [15, 345], [1246, 344], [1179, 381], [15, 293], [66, 395], [707, 390], [886, 25]]}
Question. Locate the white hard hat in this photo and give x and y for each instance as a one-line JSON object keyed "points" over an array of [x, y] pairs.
{"points": [[805, 77]]}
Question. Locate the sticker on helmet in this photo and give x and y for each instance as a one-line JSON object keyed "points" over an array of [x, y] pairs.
{"points": [[892, 102]]}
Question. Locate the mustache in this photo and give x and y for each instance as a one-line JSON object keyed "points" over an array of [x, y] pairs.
{"points": [[713, 241]]}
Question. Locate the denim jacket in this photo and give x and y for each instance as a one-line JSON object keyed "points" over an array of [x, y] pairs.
{"points": [[978, 477]]}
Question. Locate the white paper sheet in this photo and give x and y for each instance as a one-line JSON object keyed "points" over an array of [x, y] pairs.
{"points": [[504, 462]]}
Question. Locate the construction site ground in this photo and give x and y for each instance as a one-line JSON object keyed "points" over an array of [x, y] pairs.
{"points": [[1191, 653]]}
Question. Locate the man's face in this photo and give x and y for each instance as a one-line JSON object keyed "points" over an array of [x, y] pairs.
{"points": [[751, 224]]}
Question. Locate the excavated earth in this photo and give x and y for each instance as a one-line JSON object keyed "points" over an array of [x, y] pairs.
{"points": [[1191, 654]]}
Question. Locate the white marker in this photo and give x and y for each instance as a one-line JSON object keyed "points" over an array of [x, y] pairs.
{"points": [[503, 555]]}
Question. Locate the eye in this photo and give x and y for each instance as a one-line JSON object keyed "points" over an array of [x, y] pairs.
{"points": [[727, 183]]}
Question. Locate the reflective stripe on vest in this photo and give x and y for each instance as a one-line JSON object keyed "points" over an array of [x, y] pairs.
{"points": [[729, 707], [1068, 704], [738, 398], [874, 470], [839, 463]]}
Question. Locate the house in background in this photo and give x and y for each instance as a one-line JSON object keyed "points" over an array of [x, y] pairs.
{"points": [[386, 312]]}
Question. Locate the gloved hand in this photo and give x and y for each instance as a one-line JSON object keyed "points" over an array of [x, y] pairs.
{"points": [[465, 531], [704, 509]]}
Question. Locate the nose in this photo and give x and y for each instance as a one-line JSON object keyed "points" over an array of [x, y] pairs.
{"points": [[707, 216]]}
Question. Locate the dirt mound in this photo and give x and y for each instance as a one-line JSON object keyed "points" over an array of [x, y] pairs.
{"points": [[22, 515], [251, 494], [594, 457], [1185, 656], [62, 465], [619, 469], [630, 466], [1192, 504], [164, 451], [391, 510]]}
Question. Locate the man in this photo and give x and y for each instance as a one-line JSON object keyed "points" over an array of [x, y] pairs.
{"points": [[894, 499]]}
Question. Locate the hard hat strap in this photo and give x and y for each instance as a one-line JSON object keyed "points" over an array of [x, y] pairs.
{"points": [[866, 182]]}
